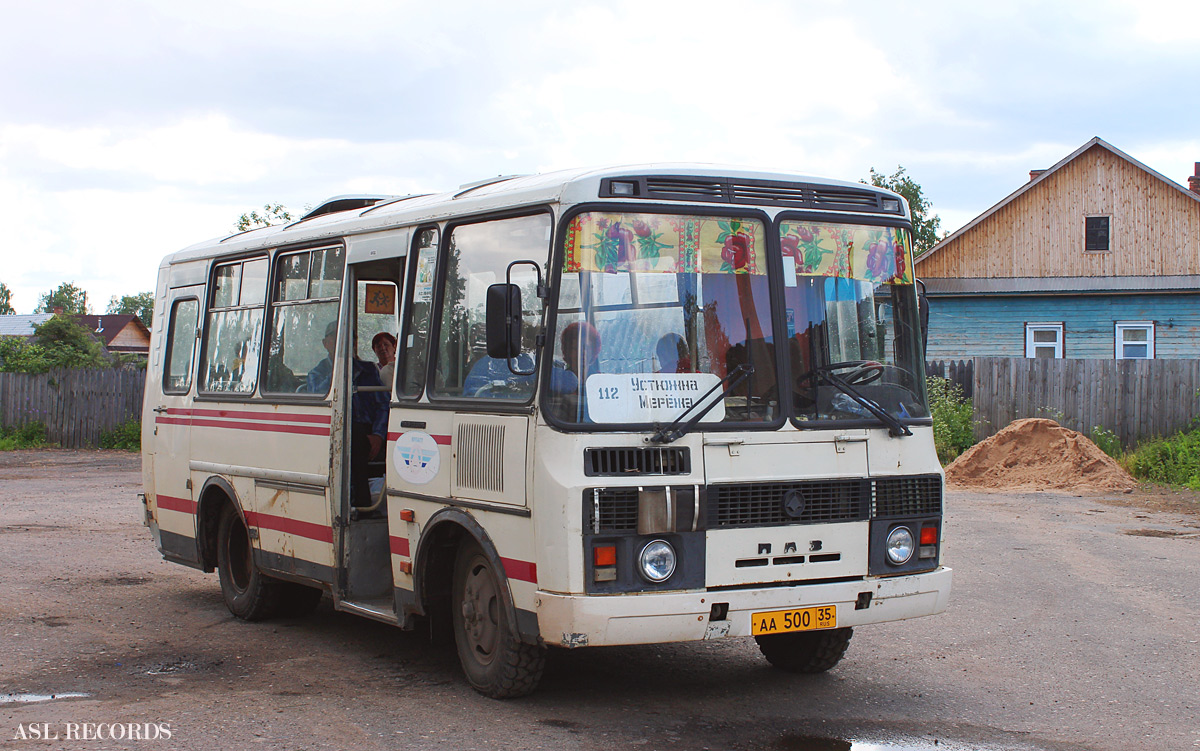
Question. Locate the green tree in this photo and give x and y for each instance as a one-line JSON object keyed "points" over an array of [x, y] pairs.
{"points": [[20, 356], [140, 305], [271, 214], [925, 225], [69, 344], [72, 299], [6, 308], [61, 342]]}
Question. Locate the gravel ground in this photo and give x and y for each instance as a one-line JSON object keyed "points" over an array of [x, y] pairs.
{"points": [[1073, 625]]}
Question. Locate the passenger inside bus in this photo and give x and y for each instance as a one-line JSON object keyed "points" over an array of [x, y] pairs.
{"points": [[384, 346], [492, 377], [369, 414]]}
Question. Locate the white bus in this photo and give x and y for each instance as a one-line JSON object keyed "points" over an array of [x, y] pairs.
{"points": [[630, 405]]}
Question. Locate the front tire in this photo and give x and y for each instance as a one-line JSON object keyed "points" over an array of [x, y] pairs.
{"points": [[249, 594], [496, 662], [805, 651]]}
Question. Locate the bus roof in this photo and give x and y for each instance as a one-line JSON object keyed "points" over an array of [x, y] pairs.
{"points": [[690, 183]]}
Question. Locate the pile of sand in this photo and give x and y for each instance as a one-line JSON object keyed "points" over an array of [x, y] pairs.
{"points": [[1035, 454]]}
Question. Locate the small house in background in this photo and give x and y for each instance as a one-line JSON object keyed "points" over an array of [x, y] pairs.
{"points": [[119, 333], [1096, 257]]}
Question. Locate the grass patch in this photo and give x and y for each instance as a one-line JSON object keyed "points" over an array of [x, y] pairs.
{"points": [[125, 437], [953, 428], [1174, 460], [30, 436], [1107, 441]]}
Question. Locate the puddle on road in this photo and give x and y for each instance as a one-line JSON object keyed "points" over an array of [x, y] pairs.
{"points": [[32, 698]]}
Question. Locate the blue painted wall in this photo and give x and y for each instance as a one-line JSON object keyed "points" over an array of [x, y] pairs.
{"points": [[994, 326]]}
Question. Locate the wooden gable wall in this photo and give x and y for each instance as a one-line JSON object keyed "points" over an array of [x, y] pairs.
{"points": [[1154, 230]]}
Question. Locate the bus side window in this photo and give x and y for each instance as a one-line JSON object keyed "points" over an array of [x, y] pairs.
{"points": [[233, 336], [304, 312], [412, 352], [479, 255], [181, 346]]}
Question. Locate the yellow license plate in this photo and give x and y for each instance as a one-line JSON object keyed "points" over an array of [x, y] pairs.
{"points": [[801, 619]]}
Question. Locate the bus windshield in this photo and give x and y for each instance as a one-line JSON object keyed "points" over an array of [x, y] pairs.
{"points": [[654, 310], [659, 313], [850, 307]]}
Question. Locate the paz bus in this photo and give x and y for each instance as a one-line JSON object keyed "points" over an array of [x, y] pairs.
{"points": [[633, 405]]}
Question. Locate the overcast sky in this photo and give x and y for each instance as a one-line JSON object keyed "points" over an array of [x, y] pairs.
{"points": [[129, 130]]}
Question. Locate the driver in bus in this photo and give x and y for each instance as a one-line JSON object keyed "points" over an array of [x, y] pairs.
{"points": [[581, 349], [369, 414], [672, 353], [581, 355]]}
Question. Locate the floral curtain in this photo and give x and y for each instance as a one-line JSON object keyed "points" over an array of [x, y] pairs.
{"points": [[875, 254], [667, 243]]}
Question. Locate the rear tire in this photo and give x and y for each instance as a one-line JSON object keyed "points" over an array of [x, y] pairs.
{"points": [[249, 594], [805, 651], [496, 662]]}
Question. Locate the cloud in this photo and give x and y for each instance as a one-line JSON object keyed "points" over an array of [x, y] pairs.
{"points": [[133, 127]]}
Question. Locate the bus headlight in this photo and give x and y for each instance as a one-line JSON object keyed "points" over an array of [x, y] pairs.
{"points": [[900, 545], [656, 562]]}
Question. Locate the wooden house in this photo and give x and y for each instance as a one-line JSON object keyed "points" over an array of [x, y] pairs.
{"points": [[1096, 257], [119, 333]]}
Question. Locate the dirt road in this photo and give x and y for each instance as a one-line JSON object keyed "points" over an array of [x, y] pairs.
{"points": [[1074, 623]]}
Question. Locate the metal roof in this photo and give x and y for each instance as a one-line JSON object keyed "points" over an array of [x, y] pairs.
{"points": [[1060, 285], [22, 325]]}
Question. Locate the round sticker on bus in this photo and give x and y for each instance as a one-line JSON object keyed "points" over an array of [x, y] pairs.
{"points": [[417, 457]]}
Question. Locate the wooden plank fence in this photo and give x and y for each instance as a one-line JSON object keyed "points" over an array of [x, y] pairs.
{"points": [[961, 372], [1136, 399], [76, 406]]}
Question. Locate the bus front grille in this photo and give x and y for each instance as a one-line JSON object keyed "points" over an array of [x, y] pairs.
{"points": [[758, 503], [613, 510], [908, 496], [618, 462]]}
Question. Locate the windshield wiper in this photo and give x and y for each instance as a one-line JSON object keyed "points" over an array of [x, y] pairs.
{"points": [[673, 430], [894, 426]]}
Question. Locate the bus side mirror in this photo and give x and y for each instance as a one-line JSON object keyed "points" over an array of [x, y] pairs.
{"points": [[503, 321]]}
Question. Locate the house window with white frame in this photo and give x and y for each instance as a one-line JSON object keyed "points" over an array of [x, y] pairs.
{"points": [[1135, 340], [1044, 340]]}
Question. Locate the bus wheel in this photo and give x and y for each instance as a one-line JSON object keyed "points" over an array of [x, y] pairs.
{"points": [[496, 662], [248, 593], [805, 651]]}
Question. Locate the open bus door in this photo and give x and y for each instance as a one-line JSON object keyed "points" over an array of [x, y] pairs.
{"points": [[365, 584]]}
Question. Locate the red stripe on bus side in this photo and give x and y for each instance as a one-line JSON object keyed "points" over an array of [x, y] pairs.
{"points": [[520, 570], [318, 532], [441, 440], [399, 546], [171, 503], [241, 415], [258, 427]]}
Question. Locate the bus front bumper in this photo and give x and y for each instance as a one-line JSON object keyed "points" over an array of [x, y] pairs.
{"points": [[649, 618]]}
